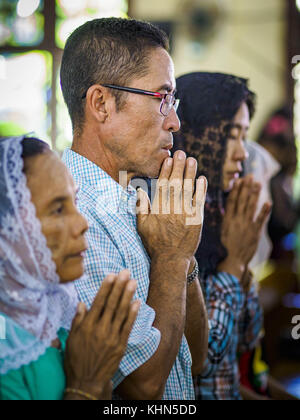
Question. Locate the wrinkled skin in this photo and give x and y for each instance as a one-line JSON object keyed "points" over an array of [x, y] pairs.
{"points": [[98, 338], [53, 193]]}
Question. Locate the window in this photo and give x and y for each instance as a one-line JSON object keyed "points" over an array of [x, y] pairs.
{"points": [[32, 37], [25, 94], [73, 13], [21, 22]]}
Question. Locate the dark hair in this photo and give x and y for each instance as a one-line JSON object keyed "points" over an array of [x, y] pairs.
{"points": [[208, 104], [32, 147], [208, 98], [108, 51]]}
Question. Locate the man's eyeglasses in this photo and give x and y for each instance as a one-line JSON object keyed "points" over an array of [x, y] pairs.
{"points": [[168, 100]]}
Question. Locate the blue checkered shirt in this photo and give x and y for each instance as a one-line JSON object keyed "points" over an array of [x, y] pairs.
{"points": [[114, 245], [236, 321]]}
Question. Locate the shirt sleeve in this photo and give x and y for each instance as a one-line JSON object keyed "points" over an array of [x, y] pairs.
{"points": [[103, 258], [224, 300], [251, 322]]}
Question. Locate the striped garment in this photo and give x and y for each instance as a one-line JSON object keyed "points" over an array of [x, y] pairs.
{"points": [[114, 245], [235, 324]]}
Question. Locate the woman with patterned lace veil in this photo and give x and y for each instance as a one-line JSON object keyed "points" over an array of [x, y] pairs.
{"points": [[215, 112], [51, 346]]}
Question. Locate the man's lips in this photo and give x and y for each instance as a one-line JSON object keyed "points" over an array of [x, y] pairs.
{"points": [[168, 147]]}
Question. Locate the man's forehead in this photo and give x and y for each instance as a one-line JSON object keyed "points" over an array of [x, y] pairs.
{"points": [[161, 70]]}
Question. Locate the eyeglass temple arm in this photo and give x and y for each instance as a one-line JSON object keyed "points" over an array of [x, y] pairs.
{"points": [[134, 90]]}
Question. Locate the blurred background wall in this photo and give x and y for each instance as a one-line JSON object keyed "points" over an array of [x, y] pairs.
{"points": [[233, 36], [250, 39]]}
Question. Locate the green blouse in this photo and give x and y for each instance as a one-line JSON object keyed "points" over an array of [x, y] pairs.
{"points": [[43, 379]]}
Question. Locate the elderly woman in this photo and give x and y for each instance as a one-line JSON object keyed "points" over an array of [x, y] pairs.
{"points": [[215, 112], [41, 253]]}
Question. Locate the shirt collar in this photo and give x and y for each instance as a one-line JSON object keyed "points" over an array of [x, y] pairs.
{"points": [[88, 173]]}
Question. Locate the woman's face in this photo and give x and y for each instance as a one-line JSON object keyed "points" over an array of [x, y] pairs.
{"points": [[53, 194], [236, 152]]}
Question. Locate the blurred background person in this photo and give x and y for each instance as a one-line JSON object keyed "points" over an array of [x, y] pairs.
{"points": [[261, 164], [256, 382], [279, 286], [278, 139]]}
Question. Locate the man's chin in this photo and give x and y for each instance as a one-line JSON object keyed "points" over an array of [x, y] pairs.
{"points": [[156, 171], [150, 169], [149, 173], [153, 174]]}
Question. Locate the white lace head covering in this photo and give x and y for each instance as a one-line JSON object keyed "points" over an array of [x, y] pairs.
{"points": [[264, 167], [33, 304]]}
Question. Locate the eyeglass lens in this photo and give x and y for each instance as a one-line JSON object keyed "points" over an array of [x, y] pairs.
{"points": [[168, 103]]}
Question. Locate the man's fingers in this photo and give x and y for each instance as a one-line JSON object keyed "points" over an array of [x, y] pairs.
{"points": [[123, 308], [198, 203], [101, 298], [178, 166], [189, 182], [176, 183], [191, 169], [162, 187], [200, 193], [128, 324], [166, 169], [161, 201]]}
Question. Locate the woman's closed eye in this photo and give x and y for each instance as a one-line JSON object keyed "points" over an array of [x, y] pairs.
{"points": [[58, 210], [236, 136], [64, 206], [59, 206]]}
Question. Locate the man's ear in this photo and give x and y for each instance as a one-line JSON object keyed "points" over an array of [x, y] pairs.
{"points": [[99, 103]]}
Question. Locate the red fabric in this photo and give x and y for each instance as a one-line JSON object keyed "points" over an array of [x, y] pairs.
{"points": [[245, 373]]}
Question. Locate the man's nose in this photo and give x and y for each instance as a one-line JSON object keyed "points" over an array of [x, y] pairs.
{"points": [[172, 122]]}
